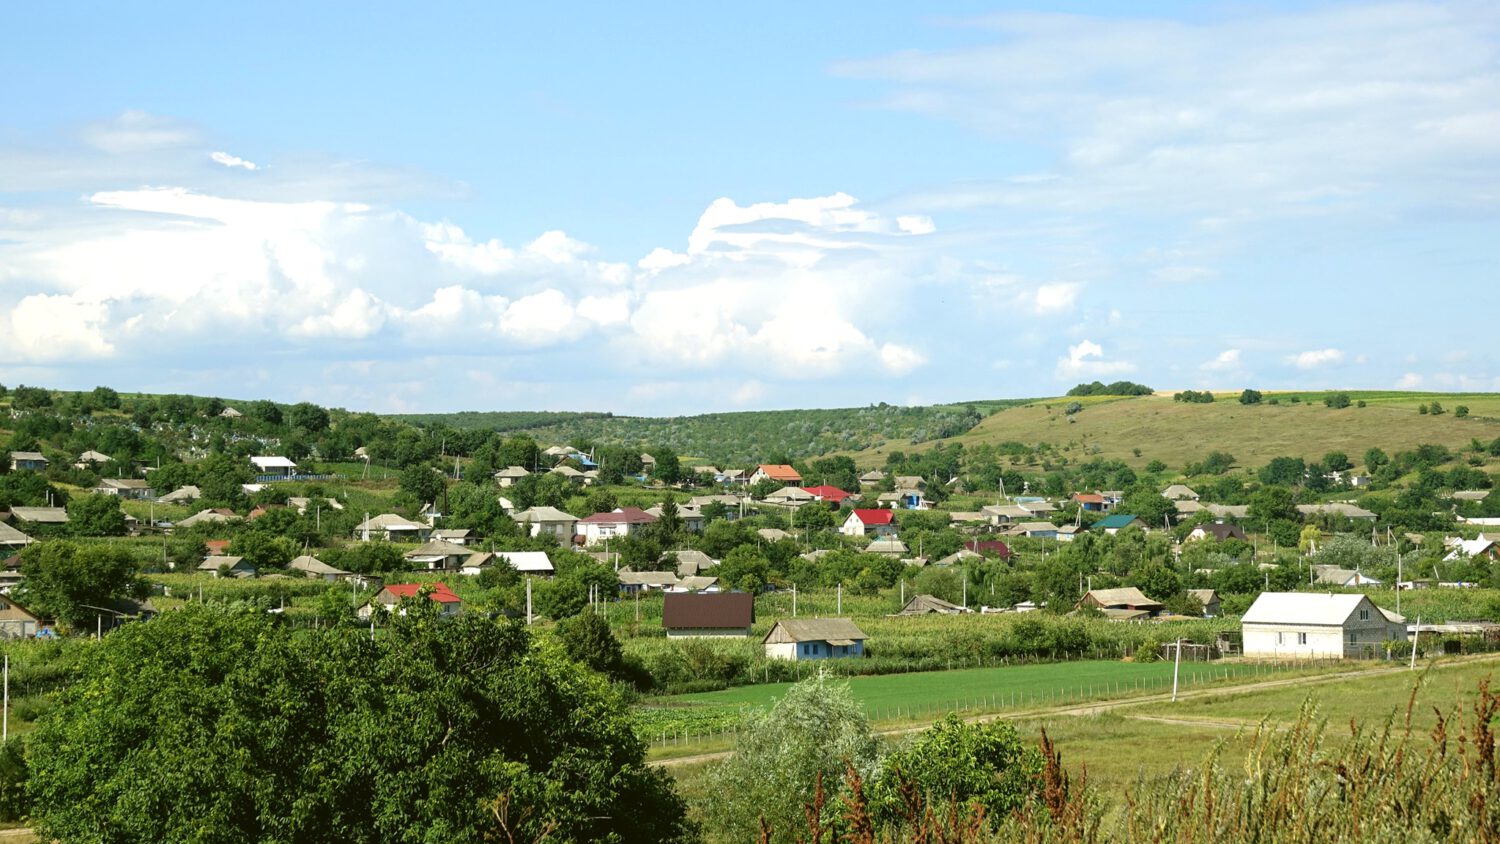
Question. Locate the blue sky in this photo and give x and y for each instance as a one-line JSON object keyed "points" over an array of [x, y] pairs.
{"points": [[647, 210]]}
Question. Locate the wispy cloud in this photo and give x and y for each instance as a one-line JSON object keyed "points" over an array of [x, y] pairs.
{"points": [[228, 160], [1086, 360]]}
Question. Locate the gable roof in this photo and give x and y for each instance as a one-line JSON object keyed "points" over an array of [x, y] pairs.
{"points": [[182, 493], [216, 563], [888, 545], [1117, 521], [827, 493], [41, 515], [440, 591], [713, 611], [1222, 530], [620, 516], [1088, 498], [983, 545], [34, 456], [834, 631], [388, 521], [273, 461], [923, 604], [438, 548], [92, 456], [878, 516], [512, 472], [1127, 597], [313, 565], [543, 514], [779, 472], [1314, 608], [1179, 491], [527, 561], [11, 536], [1204, 596]]}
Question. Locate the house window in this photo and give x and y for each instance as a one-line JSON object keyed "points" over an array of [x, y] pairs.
{"points": [[1301, 638], [1279, 640], [1364, 615], [1353, 637]]}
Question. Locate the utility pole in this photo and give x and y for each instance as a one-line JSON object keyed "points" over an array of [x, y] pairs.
{"points": [[1176, 667], [794, 600], [1416, 637], [528, 602], [5, 713], [839, 610]]}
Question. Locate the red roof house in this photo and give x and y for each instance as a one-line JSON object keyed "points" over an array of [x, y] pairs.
{"points": [[391, 596], [827, 493], [989, 546], [619, 522], [862, 522], [776, 472]]}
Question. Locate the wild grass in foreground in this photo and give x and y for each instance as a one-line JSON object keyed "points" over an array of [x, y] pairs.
{"points": [[1384, 783]]}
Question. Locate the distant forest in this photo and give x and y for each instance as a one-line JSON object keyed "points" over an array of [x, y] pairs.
{"points": [[744, 437]]}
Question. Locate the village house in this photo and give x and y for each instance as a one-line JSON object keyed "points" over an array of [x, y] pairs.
{"points": [[871, 478], [39, 515], [1035, 530], [888, 546], [867, 522], [1124, 604], [1337, 508], [1293, 625], [389, 598], [316, 569], [1179, 492], [131, 488], [457, 536], [391, 528], [16, 622], [227, 567], [1481, 548], [829, 494], [931, 605], [510, 475], [12, 539], [27, 461], [272, 468], [690, 516], [1325, 575], [216, 515], [814, 638], [1118, 522], [616, 523], [1218, 531], [535, 563], [1090, 502], [779, 472], [772, 534], [686, 615], [1004, 514], [1209, 598], [789, 496], [548, 520], [181, 495], [633, 582], [437, 555], [91, 460]]}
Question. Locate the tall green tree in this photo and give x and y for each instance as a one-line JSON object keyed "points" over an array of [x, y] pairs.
{"points": [[95, 514], [70, 582], [215, 725]]}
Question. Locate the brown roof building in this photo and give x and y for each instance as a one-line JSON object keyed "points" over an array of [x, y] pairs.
{"points": [[687, 615]]}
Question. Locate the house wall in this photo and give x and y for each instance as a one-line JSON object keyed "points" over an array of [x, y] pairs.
{"points": [[782, 650], [804, 651], [852, 527], [710, 633], [1281, 641]]}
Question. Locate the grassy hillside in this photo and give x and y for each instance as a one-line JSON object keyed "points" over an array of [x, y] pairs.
{"points": [[745, 437], [1176, 432]]}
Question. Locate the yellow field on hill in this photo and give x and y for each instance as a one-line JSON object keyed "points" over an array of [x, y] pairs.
{"points": [[1177, 432]]}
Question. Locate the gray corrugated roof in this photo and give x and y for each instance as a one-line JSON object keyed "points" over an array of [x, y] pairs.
{"points": [[818, 629]]}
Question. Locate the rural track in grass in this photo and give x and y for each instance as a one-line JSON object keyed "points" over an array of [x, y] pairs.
{"points": [[1100, 707]]}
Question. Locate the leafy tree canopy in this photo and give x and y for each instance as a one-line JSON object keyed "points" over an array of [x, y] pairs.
{"points": [[216, 725]]}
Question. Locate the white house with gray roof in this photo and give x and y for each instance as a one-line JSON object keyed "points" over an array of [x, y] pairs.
{"points": [[1303, 625]]}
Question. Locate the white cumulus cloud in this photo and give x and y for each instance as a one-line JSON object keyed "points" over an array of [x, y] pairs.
{"points": [[1316, 358], [1086, 360], [1226, 360]]}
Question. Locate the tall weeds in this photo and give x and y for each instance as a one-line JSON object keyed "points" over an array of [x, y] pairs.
{"points": [[1298, 784]]}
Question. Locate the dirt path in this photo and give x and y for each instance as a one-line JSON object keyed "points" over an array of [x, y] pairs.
{"points": [[1099, 707]]}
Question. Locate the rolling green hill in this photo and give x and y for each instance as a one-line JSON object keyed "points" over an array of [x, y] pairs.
{"points": [[1175, 432]]}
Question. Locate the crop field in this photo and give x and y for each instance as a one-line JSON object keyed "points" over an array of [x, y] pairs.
{"points": [[1177, 433], [697, 722]]}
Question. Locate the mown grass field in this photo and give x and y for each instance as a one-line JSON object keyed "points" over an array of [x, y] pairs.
{"points": [[1151, 739], [1177, 433]]}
